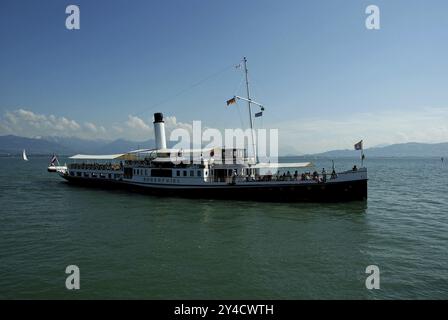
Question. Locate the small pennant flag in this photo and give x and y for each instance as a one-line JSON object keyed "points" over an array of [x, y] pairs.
{"points": [[231, 101], [358, 146], [53, 159], [258, 114]]}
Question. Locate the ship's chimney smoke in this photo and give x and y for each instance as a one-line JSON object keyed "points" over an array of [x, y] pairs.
{"points": [[159, 131]]}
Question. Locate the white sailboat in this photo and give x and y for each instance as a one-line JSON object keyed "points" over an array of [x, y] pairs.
{"points": [[24, 155]]}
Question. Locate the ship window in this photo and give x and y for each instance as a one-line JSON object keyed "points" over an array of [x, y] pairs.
{"points": [[185, 173], [178, 173], [110, 175], [199, 173], [191, 173]]}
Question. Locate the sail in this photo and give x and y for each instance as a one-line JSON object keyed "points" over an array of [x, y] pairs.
{"points": [[24, 155]]}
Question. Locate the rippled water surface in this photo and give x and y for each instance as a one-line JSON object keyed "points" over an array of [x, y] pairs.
{"points": [[137, 246]]}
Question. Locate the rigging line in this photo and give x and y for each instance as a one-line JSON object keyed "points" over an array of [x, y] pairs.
{"points": [[239, 86], [237, 104], [179, 93]]}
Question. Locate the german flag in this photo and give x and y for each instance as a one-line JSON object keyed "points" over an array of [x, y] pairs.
{"points": [[231, 101]]}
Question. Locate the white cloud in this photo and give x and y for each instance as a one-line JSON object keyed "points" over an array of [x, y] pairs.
{"points": [[141, 129], [93, 128], [311, 135], [303, 135], [27, 123], [136, 123]]}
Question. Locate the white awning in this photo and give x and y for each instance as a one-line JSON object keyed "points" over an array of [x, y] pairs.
{"points": [[142, 151], [97, 157], [282, 165]]}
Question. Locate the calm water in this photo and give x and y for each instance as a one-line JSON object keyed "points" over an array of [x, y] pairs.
{"points": [[138, 246]]}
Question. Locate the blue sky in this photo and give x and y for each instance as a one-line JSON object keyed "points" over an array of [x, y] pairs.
{"points": [[325, 79]]}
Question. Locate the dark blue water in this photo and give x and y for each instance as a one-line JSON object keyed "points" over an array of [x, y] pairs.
{"points": [[137, 246]]}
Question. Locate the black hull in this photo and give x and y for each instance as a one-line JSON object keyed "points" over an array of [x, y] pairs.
{"points": [[319, 192]]}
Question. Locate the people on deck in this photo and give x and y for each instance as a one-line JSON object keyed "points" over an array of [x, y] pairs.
{"points": [[333, 174]]}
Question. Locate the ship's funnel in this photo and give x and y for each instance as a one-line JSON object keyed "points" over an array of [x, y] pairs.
{"points": [[159, 131]]}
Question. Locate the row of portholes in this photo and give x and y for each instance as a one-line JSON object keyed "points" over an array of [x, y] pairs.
{"points": [[161, 180], [179, 173]]}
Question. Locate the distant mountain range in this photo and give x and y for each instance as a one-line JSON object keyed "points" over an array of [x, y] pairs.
{"points": [[411, 149], [13, 145]]}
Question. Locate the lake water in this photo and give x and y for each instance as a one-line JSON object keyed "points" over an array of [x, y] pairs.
{"points": [[138, 246]]}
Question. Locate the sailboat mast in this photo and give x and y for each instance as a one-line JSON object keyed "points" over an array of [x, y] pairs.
{"points": [[250, 108]]}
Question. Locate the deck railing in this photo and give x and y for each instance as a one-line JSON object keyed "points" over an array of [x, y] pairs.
{"points": [[308, 177]]}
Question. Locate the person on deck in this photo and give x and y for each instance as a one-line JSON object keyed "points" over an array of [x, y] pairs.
{"points": [[333, 174]]}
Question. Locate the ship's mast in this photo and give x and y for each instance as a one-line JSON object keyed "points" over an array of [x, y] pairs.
{"points": [[250, 109]]}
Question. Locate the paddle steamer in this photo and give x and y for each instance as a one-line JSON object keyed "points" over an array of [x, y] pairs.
{"points": [[216, 173]]}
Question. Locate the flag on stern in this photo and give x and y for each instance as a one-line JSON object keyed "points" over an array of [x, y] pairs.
{"points": [[231, 101], [53, 159], [358, 146]]}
